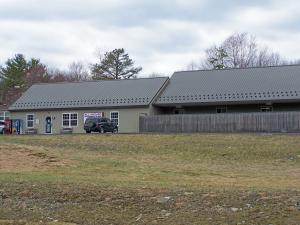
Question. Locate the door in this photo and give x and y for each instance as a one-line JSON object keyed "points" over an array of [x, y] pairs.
{"points": [[48, 125]]}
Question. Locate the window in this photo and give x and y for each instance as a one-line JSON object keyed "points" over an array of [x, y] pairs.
{"points": [[221, 109], [114, 117], [66, 120], [74, 120], [266, 109], [69, 119], [30, 120], [4, 115]]}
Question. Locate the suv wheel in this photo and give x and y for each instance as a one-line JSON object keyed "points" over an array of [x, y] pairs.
{"points": [[88, 131], [115, 130], [101, 130], [91, 125]]}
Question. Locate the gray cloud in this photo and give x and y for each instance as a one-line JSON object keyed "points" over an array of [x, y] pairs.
{"points": [[162, 36]]}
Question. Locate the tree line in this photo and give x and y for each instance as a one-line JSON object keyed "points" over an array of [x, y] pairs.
{"points": [[18, 73]]}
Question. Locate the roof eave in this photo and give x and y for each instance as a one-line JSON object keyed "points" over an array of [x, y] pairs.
{"points": [[241, 102], [12, 109]]}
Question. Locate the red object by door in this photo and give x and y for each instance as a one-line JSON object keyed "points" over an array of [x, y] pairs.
{"points": [[8, 126]]}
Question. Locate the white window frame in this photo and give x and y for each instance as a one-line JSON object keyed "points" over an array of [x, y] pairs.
{"points": [[33, 116], [68, 113], [6, 115], [112, 120]]}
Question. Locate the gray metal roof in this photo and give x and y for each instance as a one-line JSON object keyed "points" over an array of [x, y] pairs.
{"points": [[233, 85], [112, 93]]}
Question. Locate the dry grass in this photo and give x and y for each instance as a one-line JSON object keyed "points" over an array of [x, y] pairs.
{"points": [[20, 222], [222, 170], [230, 161]]}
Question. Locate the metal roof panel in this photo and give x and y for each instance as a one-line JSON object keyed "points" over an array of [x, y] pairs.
{"points": [[233, 85], [91, 94]]}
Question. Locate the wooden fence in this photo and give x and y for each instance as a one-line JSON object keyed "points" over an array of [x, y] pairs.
{"points": [[227, 122]]}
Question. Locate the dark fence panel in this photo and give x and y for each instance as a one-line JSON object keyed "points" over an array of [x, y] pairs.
{"points": [[227, 122]]}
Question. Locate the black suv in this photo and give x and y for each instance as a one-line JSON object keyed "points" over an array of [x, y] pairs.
{"points": [[101, 125]]}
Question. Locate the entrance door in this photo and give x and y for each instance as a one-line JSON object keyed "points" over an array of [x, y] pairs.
{"points": [[48, 125]]}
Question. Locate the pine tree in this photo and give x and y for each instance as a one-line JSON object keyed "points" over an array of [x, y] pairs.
{"points": [[115, 65], [13, 73], [217, 58], [17, 75]]}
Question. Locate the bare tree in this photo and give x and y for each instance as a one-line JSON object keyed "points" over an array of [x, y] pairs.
{"points": [[297, 61], [267, 58], [57, 75], [36, 73], [153, 75], [78, 72], [192, 66], [240, 51]]}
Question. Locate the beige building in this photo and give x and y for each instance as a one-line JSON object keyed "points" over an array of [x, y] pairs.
{"points": [[55, 108], [63, 107]]}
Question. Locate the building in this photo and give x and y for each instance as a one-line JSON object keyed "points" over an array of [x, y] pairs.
{"points": [[51, 108], [260, 89]]}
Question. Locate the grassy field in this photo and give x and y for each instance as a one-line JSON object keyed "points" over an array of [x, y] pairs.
{"points": [[150, 179]]}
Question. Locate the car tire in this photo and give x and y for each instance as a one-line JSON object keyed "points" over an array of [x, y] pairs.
{"points": [[101, 131], [88, 131], [115, 130], [91, 125]]}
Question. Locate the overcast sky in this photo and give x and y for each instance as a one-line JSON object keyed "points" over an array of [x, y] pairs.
{"points": [[162, 36]]}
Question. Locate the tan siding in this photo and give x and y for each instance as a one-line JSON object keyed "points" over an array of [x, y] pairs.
{"points": [[128, 118]]}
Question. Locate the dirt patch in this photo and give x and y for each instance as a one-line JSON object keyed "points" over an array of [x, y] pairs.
{"points": [[27, 158]]}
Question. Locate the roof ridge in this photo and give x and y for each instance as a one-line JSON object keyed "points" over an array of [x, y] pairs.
{"points": [[247, 68], [94, 81]]}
